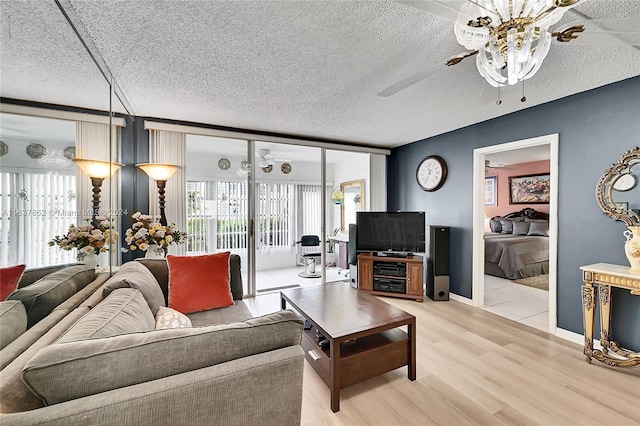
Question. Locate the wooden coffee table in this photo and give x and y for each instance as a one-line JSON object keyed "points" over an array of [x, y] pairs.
{"points": [[363, 332]]}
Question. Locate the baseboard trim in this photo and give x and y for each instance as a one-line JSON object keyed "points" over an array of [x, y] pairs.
{"points": [[575, 337], [459, 298]]}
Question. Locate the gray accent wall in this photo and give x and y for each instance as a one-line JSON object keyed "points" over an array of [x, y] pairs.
{"points": [[595, 128]]}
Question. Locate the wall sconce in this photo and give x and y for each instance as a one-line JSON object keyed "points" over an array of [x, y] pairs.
{"points": [[98, 171], [160, 172]]}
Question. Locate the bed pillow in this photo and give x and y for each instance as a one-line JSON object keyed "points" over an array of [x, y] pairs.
{"points": [[199, 283], [521, 228], [495, 225], [506, 226], [9, 279], [540, 229]]}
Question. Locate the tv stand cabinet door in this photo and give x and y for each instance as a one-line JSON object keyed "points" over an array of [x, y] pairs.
{"points": [[365, 274], [414, 279]]}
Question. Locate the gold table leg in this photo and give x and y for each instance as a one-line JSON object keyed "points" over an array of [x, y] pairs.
{"points": [[589, 313]]}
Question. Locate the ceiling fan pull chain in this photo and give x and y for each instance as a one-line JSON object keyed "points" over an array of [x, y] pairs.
{"points": [[523, 98], [499, 100]]}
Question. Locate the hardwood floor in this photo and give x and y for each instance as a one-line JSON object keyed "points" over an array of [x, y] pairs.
{"points": [[476, 368]]}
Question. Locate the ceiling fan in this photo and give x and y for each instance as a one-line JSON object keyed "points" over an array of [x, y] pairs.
{"points": [[510, 38], [265, 158]]}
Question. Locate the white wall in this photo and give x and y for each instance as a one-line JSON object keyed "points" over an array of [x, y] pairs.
{"points": [[350, 166]]}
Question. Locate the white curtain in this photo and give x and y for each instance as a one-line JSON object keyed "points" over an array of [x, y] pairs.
{"points": [[170, 147], [378, 186], [92, 143]]}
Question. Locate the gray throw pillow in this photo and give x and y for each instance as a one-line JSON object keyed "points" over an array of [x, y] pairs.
{"points": [[520, 228], [123, 311], [13, 321], [540, 229], [137, 276], [43, 296], [507, 226], [101, 365]]}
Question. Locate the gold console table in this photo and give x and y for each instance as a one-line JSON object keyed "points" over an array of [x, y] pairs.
{"points": [[606, 276]]}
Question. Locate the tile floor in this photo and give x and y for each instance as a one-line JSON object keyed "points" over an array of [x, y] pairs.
{"points": [[268, 301], [526, 305]]}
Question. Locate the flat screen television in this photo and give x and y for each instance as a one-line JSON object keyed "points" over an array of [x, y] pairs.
{"points": [[395, 233]]}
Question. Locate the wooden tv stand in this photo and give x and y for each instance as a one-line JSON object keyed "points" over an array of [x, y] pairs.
{"points": [[391, 276]]}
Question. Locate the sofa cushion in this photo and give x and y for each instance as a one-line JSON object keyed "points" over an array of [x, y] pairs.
{"points": [[236, 313], [41, 297], [125, 310], [141, 357], [13, 321], [199, 283], [137, 276], [9, 279], [170, 318]]}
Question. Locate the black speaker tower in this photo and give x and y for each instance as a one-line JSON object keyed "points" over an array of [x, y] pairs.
{"points": [[352, 256], [438, 265]]}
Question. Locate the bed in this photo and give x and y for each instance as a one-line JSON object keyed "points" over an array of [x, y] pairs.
{"points": [[518, 246]]}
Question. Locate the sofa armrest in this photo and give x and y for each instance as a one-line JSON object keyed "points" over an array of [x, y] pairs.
{"points": [[217, 394]]}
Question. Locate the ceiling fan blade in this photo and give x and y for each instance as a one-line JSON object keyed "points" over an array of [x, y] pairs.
{"points": [[423, 74], [598, 32]]}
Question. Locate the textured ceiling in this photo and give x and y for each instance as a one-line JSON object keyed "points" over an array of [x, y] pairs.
{"points": [[310, 68]]}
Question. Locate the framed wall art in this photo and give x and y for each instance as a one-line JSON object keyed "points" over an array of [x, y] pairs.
{"points": [[529, 189], [491, 191]]}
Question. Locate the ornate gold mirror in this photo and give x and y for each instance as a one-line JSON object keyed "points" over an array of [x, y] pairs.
{"points": [[618, 190], [353, 202]]}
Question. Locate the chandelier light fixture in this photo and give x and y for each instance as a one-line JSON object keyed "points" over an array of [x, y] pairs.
{"points": [[244, 170], [511, 37]]}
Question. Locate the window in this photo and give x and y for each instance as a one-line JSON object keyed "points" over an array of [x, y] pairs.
{"points": [[217, 211], [35, 207]]}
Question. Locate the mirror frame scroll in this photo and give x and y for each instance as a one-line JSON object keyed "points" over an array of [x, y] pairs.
{"points": [[604, 189]]}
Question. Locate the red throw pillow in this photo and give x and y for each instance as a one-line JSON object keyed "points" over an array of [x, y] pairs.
{"points": [[199, 283], [9, 279]]}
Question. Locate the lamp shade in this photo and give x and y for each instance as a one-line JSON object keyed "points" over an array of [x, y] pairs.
{"points": [[158, 171], [97, 168]]}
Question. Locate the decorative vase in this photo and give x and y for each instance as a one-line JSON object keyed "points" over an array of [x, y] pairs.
{"points": [[632, 247], [88, 259], [154, 252]]}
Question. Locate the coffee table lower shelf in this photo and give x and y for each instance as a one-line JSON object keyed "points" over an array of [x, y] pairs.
{"points": [[362, 359]]}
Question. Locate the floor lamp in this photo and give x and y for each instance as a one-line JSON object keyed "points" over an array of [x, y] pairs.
{"points": [[98, 171], [160, 172]]}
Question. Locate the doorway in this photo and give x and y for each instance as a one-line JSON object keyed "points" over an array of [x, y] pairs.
{"points": [[480, 285]]}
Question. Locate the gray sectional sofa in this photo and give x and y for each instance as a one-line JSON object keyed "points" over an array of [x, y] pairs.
{"points": [[44, 297], [108, 364]]}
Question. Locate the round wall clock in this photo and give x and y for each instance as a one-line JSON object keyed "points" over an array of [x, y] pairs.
{"points": [[224, 164], [625, 182], [431, 173], [285, 168]]}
